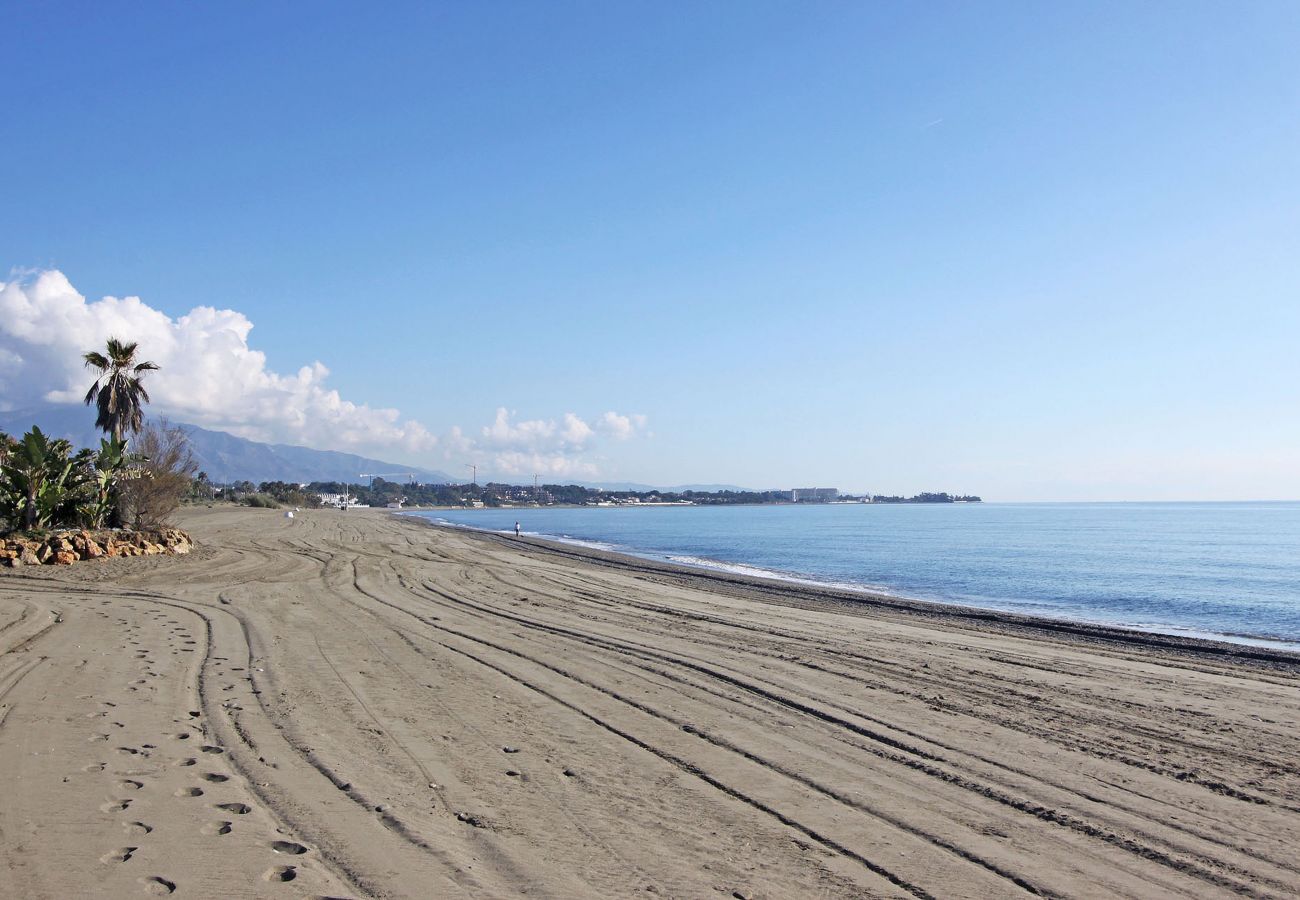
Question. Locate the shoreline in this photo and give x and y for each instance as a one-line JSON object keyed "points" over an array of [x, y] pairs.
{"points": [[780, 584], [373, 707]]}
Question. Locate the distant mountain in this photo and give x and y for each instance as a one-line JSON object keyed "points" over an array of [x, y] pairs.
{"points": [[223, 456]]}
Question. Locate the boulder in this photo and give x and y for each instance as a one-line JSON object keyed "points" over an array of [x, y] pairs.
{"points": [[64, 558]]}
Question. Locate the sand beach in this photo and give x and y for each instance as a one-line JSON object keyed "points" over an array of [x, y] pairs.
{"points": [[363, 705]]}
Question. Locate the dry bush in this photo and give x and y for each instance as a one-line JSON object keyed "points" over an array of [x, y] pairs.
{"points": [[154, 489]]}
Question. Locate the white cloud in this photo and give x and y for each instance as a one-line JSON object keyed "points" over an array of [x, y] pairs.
{"points": [[556, 465], [621, 427], [544, 446], [210, 376]]}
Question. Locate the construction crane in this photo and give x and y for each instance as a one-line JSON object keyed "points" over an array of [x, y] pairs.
{"points": [[410, 476]]}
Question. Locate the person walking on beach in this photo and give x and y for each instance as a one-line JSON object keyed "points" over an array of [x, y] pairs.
{"points": [[516, 529]]}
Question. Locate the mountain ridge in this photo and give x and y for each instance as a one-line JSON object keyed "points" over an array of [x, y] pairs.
{"points": [[224, 457]]}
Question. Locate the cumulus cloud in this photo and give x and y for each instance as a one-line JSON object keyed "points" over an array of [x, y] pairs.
{"points": [[544, 446], [210, 375]]}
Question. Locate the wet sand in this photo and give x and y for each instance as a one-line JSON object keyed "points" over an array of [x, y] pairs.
{"points": [[361, 705]]}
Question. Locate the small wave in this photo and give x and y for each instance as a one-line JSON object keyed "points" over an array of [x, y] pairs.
{"points": [[1250, 640], [775, 575], [580, 542]]}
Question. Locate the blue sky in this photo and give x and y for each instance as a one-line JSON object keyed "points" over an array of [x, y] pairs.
{"points": [[1033, 251]]}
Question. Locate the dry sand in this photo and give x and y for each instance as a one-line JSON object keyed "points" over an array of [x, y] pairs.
{"points": [[370, 706]]}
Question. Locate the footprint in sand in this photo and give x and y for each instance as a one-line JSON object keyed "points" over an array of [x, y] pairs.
{"points": [[188, 761], [189, 792], [208, 748], [282, 873], [212, 829], [215, 777], [118, 856], [94, 767], [115, 805], [239, 809], [137, 828], [288, 847], [158, 886], [131, 785]]}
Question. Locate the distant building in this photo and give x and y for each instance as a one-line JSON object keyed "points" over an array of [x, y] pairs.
{"points": [[814, 495], [338, 501]]}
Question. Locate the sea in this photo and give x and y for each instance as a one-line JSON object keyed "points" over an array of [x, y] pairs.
{"points": [[1227, 571]]}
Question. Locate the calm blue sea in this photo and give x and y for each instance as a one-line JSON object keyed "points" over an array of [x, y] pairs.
{"points": [[1204, 569]]}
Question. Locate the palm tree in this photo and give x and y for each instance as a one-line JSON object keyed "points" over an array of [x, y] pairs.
{"points": [[118, 389]]}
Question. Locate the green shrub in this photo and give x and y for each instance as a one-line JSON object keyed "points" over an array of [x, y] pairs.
{"points": [[261, 501]]}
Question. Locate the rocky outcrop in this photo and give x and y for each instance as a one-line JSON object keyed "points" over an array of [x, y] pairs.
{"points": [[63, 548]]}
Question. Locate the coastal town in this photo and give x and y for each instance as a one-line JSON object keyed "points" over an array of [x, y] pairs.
{"points": [[398, 495]]}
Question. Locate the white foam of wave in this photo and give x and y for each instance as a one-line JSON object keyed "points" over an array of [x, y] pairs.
{"points": [[1225, 637], [1033, 609], [560, 538], [580, 542], [700, 562]]}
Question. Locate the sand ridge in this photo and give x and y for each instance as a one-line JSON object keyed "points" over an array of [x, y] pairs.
{"points": [[356, 704]]}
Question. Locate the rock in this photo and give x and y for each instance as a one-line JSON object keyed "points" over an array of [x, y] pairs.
{"points": [[84, 544], [509, 749]]}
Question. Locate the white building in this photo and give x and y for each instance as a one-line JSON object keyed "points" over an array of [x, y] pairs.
{"points": [[814, 495]]}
